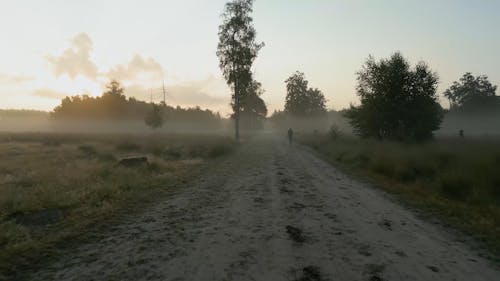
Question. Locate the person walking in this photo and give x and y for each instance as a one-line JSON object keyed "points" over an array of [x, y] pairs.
{"points": [[290, 135]]}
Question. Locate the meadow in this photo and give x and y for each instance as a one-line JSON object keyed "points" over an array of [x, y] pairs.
{"points": [[54, 186], [456, 181]]}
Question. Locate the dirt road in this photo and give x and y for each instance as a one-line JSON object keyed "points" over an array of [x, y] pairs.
{"points": [[273, 212]]}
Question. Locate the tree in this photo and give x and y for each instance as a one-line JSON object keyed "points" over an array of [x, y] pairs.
{"points": [[237, 50], [472, 94], [113, 100], [397, 102], [253, 107], [303, 101], [154, 118], [114, 106]]}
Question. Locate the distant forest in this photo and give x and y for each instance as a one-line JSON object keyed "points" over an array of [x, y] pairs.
{"points": [[113, 105], [22, 113]]}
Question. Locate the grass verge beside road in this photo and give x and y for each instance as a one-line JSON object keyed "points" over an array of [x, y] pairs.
{"points": [[53, 186], [455, 180]]}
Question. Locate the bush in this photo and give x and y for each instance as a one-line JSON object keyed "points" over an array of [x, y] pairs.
{"points": [[384, 167], [334, 132], [456, 187]]}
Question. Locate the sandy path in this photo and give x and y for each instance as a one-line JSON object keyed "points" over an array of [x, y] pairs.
{"points": [[281, 214]]}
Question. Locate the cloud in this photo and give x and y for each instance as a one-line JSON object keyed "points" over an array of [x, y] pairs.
{"points": [[136, 68], [75, 60], [76, 63], [6, 78], [49, 93]]}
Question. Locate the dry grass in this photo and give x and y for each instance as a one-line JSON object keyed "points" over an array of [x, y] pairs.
{"points": [[455, 179], [52, 186]]}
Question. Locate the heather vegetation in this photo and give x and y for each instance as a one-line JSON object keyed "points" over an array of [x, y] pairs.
{"points": [[53, 186], [455, 179]]}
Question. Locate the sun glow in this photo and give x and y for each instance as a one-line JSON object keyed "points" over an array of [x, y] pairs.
{"points": [[78, 86]]}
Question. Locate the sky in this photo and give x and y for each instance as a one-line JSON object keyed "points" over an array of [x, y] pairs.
{"points": [[55, 48]]}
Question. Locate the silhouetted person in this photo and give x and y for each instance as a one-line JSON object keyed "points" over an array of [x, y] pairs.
{"points": [[290, 135], [461, 133]]}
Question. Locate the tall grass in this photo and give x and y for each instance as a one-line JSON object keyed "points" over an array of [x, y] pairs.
{"points": [[457, 178], [53, 184]]}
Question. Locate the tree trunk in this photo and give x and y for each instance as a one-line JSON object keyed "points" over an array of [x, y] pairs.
{"points": [[237, 124], [237, 113]]}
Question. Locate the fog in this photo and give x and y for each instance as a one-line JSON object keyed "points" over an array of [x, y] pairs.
{"points": [[484, 125], [477, 126], [17, 121]]}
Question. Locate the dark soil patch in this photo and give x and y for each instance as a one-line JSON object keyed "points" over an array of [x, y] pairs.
{"points": [[285, 190], [375, 271], [376, 278], [401, 254], [297, 206], [331, 216], [386, 224], [295, 234], [364, 250], [310, 273], [285, 181], [433, 268], [258, 200]]}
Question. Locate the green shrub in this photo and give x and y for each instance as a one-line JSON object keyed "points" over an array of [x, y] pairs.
{"points": [[362, 159], [445, 159], [334, 132], [405, 173], [457, 187], [383, 166]]}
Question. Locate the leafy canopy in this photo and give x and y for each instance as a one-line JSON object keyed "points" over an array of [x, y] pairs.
{"points": [[252, 104], [237, 50], [301, 100], [237, 47], [472, 94], [113, 105], [397, 101]]}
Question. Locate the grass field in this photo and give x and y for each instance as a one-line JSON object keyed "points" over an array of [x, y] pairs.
{"points": [[456, 180], [52, 186]]}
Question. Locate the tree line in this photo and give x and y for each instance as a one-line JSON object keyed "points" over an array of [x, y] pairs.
{"points": [[113, 105], [397, 101]]}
